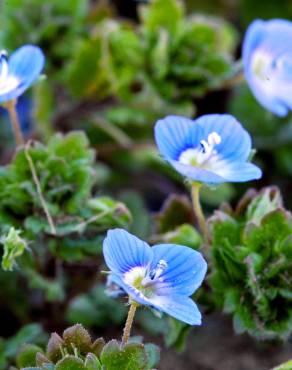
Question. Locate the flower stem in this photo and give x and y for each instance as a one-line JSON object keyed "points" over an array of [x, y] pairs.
{"points": [[11, 108], [129, 322], [198, 210]]}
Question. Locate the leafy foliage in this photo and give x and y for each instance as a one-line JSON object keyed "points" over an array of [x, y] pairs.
{"points": [[251, 253], [75, 350], [21, 24], [66, 174], [162, 63], [49, 212], [9, 348]]}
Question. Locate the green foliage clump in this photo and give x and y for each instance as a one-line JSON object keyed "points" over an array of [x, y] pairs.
{"points": [[56, 179], [251, 273], [156, 67], [9, 348], [52, 25], [47, 193], [75, 350]]}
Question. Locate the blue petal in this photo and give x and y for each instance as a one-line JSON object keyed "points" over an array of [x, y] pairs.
{"points": [[240, 172], [123, 251], [273, 39], [254, 35], [172, 136], [197, 174], [186, 268], [178, 306], [235, 141], [26, 64]]}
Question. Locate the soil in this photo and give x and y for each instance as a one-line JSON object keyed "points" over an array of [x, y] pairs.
{"points": [[215, 346]]}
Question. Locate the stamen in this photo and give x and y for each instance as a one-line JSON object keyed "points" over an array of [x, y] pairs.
{"points": [[200, 155], [160, 268], [3, 65], [214, 139]]}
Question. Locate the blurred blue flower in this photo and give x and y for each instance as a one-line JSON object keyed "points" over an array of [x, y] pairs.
{"points": [[20, 71], [162, 277], [211, 149], [267, 59], [25, 115]]}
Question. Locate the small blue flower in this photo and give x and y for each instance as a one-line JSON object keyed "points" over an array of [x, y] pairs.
{"points": [[211, 149], [20, 71], [162, 277], [267, 59]]}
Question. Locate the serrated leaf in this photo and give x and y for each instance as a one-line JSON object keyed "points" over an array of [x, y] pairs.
{"points": [[78, 337], [70, 363], [131, 357]]}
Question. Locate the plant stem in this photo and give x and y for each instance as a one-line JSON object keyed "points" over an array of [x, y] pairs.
{"points": [[198, 210], [11, 108], [39, 190], [129, 322]]}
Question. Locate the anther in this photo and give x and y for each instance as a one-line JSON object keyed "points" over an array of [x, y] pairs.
{"points": [[160, 268]]}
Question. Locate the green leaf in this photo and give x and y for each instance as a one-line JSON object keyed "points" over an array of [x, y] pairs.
{"points": [[27, 355], [54, 347], [14, 246], [77, 337], [131, 357], [286, 366], [176, 210], [70, 363], [184, 234], [177, 334], [162, 14], [109, 212], [92, 362], [153, 355], [28, 333], [269, 200]]}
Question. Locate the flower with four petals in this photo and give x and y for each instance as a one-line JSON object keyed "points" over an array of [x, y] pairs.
{"points": [[163, 276], [211, 149]]}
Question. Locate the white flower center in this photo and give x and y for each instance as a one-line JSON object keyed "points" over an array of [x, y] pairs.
{"points": [[144, 280], [261, 63], [202, 154], [7, 82]]}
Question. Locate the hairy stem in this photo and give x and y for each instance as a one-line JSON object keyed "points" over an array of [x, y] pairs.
{"points": [[39, 190], [198, 210], [129, 322], [11, 108]]}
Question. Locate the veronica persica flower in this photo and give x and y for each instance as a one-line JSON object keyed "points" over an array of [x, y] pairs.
{"points": [[267, 58], [211, 149], [20, 71], [162, 277]]}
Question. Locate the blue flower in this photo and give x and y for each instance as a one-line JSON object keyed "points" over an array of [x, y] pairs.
{"points": [[267, 59], [162, 277], [211, 149], [20, 71]]}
